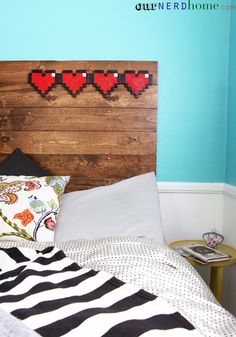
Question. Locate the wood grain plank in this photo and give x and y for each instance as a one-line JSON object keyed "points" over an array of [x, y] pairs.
{"points": [[77, 183], [46, 142], [15, 72], [23, 95], [77, 119], [96, 167], [97, 141]]}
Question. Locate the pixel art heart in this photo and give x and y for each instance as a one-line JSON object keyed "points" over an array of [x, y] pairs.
{"points": [[105, 83], [74, 82], [136, 83], [43, 81]]}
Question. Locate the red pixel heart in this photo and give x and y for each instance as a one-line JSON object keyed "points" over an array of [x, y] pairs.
{"points": [[43, 82], [105, 83], [74, 82], [136, 83]]}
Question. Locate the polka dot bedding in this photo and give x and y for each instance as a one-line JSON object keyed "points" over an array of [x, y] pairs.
{"points": [[155, 268]]}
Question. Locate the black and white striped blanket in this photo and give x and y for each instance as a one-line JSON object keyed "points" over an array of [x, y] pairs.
{"points": [[54, 296]]}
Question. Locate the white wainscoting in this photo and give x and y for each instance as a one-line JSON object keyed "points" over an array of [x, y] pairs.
{"points": [[190, 209], [229, 232]]}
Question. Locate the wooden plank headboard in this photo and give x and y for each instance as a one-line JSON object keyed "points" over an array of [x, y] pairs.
{"points": [[94, 139]]}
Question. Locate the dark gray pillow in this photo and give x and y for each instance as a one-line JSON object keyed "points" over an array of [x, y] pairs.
{"points": [[17, 163]]}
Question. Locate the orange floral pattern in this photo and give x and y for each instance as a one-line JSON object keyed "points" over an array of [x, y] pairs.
{"points": [[29, 206], [26, 217]]}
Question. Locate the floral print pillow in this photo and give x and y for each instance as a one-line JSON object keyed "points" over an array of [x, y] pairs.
{"points": [[29, 206]]}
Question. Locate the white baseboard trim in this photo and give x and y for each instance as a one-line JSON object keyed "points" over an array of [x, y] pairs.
{"points": [[193, 188]]}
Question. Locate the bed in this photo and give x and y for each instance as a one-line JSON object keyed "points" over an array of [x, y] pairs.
{"points": [[100, 266]]}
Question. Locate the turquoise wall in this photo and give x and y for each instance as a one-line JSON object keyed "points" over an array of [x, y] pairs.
{"points": [[191, 48], [231, 125]]}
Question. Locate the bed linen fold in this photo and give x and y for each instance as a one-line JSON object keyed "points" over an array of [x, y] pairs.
{"points": [[154, 268]]}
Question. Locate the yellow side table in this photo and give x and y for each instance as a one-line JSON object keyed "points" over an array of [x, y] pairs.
{"points": [[216, 273]]}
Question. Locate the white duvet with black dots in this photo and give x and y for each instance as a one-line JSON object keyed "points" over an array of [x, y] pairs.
{"points": [[156, 269]]}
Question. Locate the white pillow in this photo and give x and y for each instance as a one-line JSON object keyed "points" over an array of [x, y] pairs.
{"points": [[128, 208]]}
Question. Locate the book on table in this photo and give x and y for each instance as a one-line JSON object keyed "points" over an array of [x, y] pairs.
{"points": [[205, 253], [183, 253]]}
